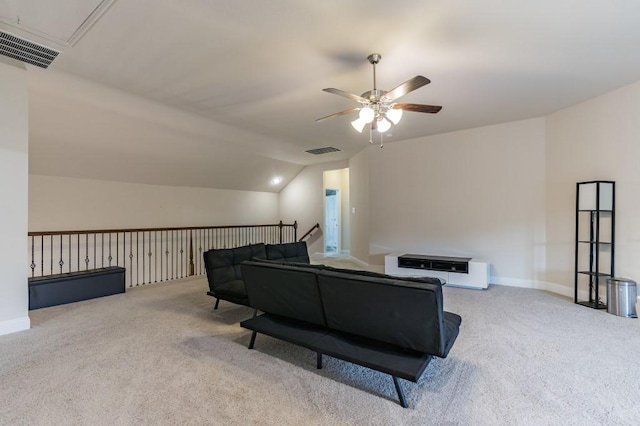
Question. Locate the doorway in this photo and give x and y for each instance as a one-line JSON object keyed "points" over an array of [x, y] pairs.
{"points": [[332, 221]]}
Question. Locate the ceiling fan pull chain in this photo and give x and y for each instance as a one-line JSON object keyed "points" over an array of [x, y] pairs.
{"points": [[381, 141], [370, 134]]}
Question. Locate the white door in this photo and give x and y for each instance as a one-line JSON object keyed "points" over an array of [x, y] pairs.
{"points": [[332, 221]]}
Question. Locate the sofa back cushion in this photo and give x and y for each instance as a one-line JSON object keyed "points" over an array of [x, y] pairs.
{"points": [[294, 264], [430, 280], [288, 291], [223, 265], [288, 252], [391, 310]]}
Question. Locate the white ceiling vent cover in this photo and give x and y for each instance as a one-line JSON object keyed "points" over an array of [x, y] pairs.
{"points": [[26, 51], [325, 150]]}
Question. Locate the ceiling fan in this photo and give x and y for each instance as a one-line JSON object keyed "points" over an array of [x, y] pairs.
{"points": [[379, 108]]}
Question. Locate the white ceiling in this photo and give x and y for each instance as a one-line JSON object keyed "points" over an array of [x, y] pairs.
{"points": [[225, 93]]}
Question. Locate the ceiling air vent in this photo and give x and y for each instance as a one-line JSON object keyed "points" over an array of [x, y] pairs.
{"points": [[26, 51], [325, 150]]}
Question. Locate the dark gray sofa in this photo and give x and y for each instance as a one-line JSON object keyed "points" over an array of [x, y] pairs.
{"points": [[223, 271], [389, 324]]}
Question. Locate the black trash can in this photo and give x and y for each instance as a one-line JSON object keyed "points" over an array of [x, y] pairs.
{"points": [[622, 296]]}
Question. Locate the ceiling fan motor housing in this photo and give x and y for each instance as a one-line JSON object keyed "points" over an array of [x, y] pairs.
{"points": [[374, 95]]}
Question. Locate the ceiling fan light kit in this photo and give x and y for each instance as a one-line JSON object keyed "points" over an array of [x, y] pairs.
{"points": [[358, 124], [394, 114], [383, 125], [379, 108], [367, 114]]}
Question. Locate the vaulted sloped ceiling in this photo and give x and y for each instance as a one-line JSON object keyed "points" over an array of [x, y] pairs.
{"points": [[81, 129], [224, 94]]}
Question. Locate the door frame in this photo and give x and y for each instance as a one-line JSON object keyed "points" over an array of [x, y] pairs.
{"points": [[338, 219]]}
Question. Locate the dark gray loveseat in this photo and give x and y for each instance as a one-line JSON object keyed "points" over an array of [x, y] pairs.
{"points": [[390, 324], [223, 267]]}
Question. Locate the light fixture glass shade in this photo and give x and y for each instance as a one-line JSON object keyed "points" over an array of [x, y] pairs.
{"points": [[394, 115], [358, 124], [367, 114], [383, 125]]}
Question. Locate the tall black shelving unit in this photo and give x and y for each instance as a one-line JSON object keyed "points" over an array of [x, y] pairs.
{"points": [[595, 238]]}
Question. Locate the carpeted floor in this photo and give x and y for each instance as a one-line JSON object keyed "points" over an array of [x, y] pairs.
{"points": [[162, 355]]}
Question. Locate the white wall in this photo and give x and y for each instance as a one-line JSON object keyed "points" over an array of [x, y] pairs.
{"points": [[477, 193], [597, 139], [57, 203], [14, 144], [303, 200], [359, 204]]}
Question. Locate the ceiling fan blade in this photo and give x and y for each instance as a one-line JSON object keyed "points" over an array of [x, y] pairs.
{"points": [[338, 114], [408, 86], [346, 95], [432, 109]]}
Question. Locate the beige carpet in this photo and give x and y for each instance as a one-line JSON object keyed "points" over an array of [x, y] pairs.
{"points": [[162, 355]]}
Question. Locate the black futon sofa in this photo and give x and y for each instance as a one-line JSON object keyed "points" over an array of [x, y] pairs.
{"points": [[223, 267], [389, 324]]}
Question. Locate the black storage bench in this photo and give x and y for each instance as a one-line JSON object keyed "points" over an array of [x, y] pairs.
{"points": [[58, 289]]}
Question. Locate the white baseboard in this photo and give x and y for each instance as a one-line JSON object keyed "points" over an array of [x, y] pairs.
{"points": [[372, 268], [359, 262], [539, 285], [14, 325]]}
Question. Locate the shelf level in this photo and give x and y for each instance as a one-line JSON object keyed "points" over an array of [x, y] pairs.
{"points": [[594, 242], [593, 274], [594, 304]]}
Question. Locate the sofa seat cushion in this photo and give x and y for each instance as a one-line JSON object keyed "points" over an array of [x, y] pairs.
{"points": [[293, 331], [390, 359], [368, 353], [233, 288]]}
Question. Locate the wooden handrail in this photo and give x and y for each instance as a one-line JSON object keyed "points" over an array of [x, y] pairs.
{"points": [[177, 228], [310, 231]]}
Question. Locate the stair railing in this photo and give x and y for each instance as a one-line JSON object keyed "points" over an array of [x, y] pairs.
{"points": [[310, 232], [150, 255]]}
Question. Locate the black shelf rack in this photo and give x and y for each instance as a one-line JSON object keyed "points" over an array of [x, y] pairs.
{"points": [[595, 204]]}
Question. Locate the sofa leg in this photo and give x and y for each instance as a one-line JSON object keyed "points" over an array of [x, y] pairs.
{"points": [[253, 339], [318, 360], [255, 313], [403, 401], [217, 302]]}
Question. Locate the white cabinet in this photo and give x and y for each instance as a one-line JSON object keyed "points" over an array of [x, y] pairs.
{"points": [[478, 276]]}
